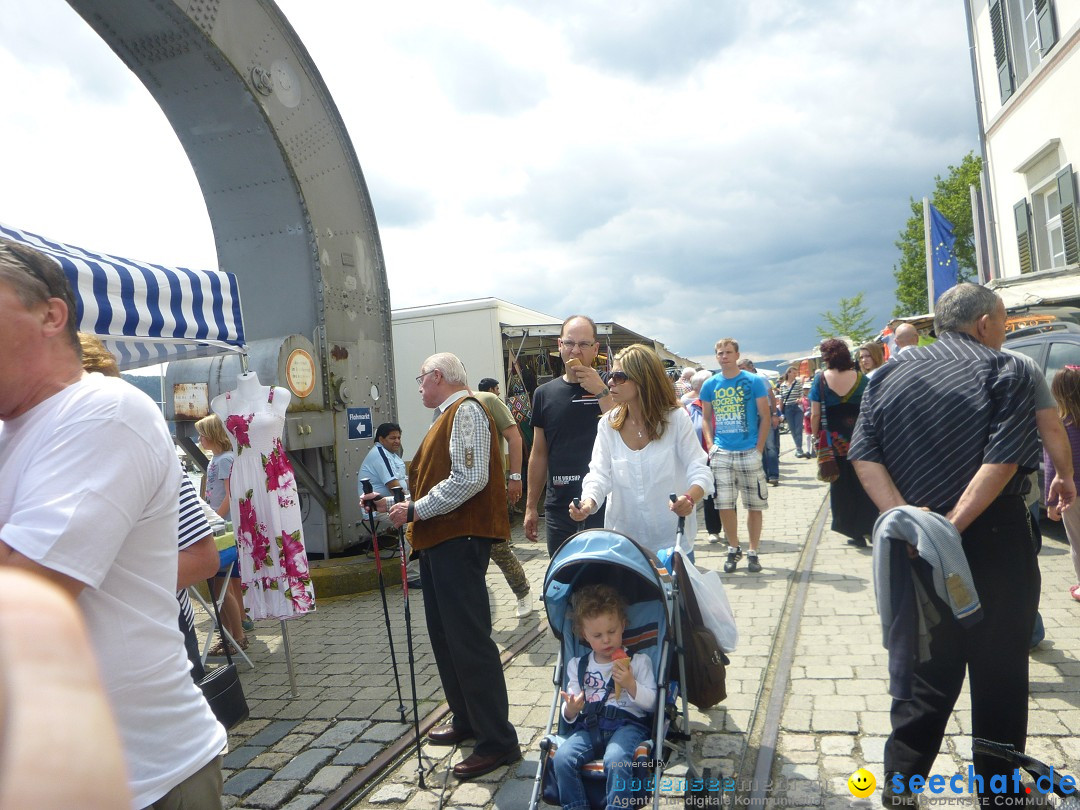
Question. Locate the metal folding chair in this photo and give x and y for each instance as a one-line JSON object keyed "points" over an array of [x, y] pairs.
{"points": [[225, 572]]}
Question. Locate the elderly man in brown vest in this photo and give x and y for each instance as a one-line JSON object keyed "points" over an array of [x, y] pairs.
{"points": [[459, 511]]}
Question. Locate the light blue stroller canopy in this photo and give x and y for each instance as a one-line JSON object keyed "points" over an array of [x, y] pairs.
{"points": [[602, 556]]}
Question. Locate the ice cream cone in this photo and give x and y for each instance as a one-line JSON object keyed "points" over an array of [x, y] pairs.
{"points": [[620, 663]]}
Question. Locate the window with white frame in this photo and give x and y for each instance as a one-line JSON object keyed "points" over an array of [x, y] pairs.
{"points": [[1048, 229], [1022, 33]]}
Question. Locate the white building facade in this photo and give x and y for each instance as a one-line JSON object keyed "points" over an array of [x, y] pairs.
{"points": [[1026, 62]]}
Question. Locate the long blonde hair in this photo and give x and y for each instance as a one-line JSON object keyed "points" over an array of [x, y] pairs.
{"points": [[642, 365], [211, 428], [1066, 390]]}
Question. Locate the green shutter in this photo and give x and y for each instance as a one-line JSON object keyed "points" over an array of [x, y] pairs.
{"points": [[1023, 236], [1001, 49], [1066, 187], [1044, 11]]}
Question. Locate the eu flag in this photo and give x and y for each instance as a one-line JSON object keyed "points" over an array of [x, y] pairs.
{"points": [[943, 256]]}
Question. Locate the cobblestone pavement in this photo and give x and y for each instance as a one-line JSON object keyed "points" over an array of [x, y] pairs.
{"points": [[296, 752]]}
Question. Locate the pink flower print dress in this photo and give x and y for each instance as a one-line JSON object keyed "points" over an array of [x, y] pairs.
{"points": [[274, 571]]}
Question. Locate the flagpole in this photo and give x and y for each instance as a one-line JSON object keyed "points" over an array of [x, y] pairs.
{"points": [[929, 256]]}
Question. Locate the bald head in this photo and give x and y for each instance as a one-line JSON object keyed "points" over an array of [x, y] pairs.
{"points": [[906, 335]]}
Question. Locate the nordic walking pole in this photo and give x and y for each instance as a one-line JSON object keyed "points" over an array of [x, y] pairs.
{"points": [[366, 484], [399, 497]]}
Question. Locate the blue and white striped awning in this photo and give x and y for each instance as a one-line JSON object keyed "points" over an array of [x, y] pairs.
{"points": [[147, 313]]}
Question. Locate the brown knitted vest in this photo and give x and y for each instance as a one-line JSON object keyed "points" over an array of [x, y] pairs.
{"points": [[484, 514]]}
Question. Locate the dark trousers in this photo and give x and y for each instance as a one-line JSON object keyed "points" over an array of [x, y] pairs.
{"points": [[712, 516], [559, 525], [1000, 552], [459, 626], [793, 415]]}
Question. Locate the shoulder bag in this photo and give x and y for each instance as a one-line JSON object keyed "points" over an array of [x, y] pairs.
{"points": [[827, 468], [222, 688]]}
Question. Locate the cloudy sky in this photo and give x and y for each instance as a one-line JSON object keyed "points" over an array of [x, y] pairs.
{"points": [[688, 168]]}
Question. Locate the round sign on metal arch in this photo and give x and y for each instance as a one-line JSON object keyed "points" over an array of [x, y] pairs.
{"points": [[300, 373]]}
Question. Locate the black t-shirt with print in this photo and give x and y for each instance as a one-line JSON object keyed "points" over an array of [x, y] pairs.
{"points": [[568, 415]]}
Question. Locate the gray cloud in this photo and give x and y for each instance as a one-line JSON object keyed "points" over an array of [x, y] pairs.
{"points": [[397, 206], [477, 78], [49, 35], [645, 40]]}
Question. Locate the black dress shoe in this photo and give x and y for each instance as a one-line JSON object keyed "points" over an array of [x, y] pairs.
{"points": [[478, 764], [448, 734], [858, 542]]}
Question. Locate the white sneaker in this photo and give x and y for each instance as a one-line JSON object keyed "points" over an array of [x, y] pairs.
{"points": [[524, 606], [714, 538]]}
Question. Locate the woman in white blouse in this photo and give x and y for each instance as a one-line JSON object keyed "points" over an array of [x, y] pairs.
{"points": [[645, 450]]}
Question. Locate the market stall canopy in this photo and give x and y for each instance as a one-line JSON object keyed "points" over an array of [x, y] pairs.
{"points": [[147, 313]]}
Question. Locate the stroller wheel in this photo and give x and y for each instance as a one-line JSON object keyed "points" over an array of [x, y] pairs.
{"points": [[709, 792]]}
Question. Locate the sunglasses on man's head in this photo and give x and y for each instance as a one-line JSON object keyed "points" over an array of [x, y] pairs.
{"points": [[617, 377]]}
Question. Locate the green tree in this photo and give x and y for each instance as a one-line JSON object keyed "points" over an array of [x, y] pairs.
{"points": [[850, 322], [952, 198]]}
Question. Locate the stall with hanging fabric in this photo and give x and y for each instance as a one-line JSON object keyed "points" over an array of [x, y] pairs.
{"points": [[148, 313]]}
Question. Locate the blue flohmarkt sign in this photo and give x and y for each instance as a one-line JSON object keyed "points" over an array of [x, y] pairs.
{"points": [[359, 423]]}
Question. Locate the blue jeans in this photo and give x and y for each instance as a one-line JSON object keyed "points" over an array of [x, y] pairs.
{"points": [[793, 416], [618, 756], [770, 459]]}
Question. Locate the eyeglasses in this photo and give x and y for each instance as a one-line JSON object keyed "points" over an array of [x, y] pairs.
{"points": [[581, 344], [420, 379], [617, 378]]}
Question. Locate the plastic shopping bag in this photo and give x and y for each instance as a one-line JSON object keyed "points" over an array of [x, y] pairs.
{"points": [[716, 611]]}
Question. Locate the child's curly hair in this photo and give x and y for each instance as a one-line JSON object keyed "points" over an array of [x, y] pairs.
{"points": [[590, 601]]}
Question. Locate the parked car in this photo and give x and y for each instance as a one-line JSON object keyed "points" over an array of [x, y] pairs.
{"points": [[1053, 345]]}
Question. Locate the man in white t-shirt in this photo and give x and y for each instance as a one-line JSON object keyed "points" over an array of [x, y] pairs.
{"points": [[89, 494]]}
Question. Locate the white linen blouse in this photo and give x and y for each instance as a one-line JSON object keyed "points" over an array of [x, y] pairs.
{"points": [[638, 483]]}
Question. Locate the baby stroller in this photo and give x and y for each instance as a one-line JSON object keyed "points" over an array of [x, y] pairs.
{"points": [[599, 556]]}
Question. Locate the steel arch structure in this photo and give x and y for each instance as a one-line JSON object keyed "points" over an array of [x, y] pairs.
{"points": [[290, 210]]}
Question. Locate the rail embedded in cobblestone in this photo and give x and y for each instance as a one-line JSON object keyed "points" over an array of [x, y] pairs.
{"points": [[353, 790], [760, 753]]}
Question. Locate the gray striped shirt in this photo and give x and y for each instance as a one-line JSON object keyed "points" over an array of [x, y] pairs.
{"points": [[934, 414]]}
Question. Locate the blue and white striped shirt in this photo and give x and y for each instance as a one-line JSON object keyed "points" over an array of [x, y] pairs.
{"points": [[934, 414]]}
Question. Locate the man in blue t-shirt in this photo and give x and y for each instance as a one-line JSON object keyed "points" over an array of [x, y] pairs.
{"points": [[735, 424]]}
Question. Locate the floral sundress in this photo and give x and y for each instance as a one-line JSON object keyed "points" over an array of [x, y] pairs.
{"points": [[274, 574]]}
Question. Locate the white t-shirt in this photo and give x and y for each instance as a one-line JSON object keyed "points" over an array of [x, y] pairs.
{"points": [[89, 487], [596, 676]]}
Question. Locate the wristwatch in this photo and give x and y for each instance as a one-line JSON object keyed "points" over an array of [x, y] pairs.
{"points": [[515, 476]]}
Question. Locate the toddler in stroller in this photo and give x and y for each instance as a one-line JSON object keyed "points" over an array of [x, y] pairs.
{"points": [[608, 700]]}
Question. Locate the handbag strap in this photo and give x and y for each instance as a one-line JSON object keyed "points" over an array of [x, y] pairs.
{"points": [[824, 412], [217, 617]]}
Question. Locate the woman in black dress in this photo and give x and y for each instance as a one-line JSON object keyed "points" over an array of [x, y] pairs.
{"points": [[840, 387]]}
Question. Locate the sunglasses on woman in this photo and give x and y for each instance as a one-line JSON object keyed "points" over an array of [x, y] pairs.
{"points": [[617, 377]]}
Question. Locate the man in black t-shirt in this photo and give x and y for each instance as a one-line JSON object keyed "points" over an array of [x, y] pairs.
{"points": [[564, 417]]}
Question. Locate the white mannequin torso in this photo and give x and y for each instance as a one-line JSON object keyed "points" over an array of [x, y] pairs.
{"points": [[251, 396]]}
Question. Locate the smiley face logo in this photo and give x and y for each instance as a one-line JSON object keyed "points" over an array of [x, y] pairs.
{"points": [[861, 783]]}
